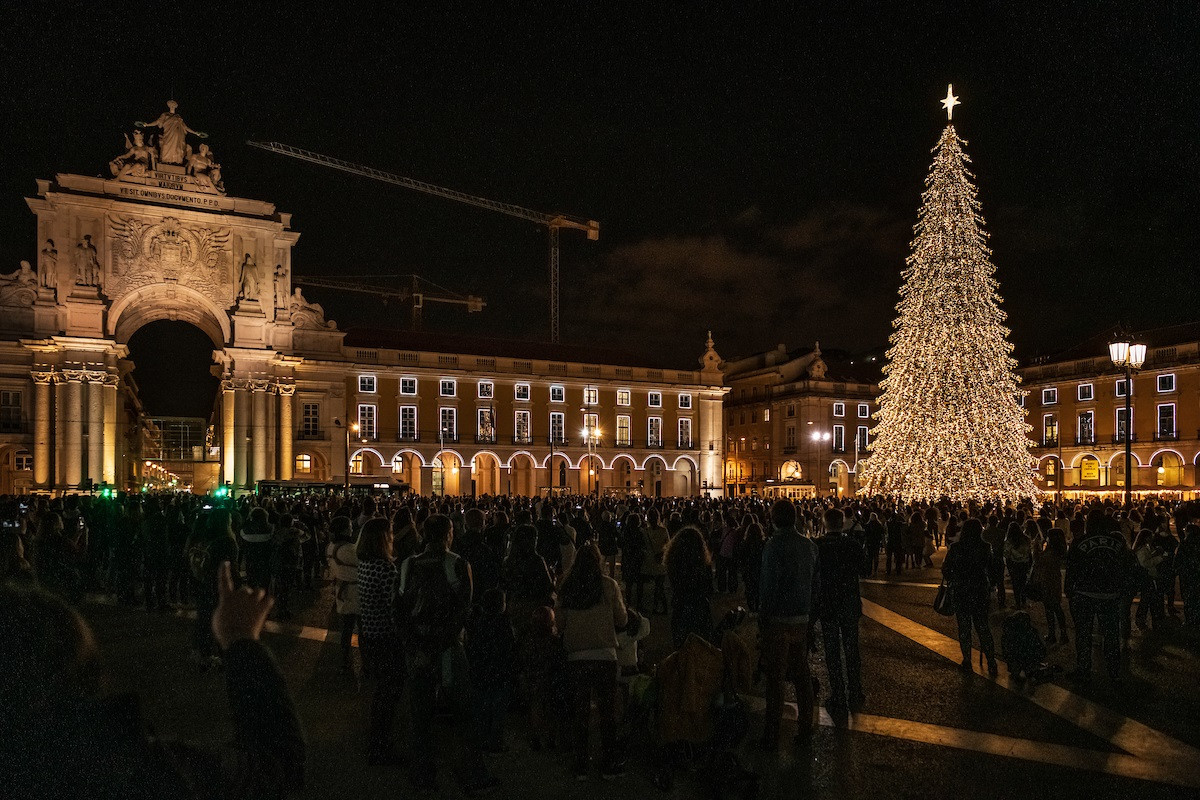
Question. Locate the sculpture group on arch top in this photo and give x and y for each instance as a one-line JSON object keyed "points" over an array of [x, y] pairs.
{"points": [[160, 166]]}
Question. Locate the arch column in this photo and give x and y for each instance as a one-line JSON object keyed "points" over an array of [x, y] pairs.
{"points": [[228, 440], [95, 392], [109, 390], [241, 418], [259, 429], [286, 430], [73, 413], [41, 428]]}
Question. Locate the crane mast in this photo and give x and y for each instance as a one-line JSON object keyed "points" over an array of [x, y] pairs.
{"points": [[553, 222]]}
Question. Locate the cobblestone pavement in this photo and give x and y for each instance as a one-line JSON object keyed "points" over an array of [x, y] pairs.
{"points": [[927, 729]]}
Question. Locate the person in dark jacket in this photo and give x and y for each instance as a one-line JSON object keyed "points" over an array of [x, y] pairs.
{"points": [[842, 562], [690, 570], [966, 571], [874, 534], [790, 580], [209, 546], [1098, 568], [894, 548], [63, 739], [1187, 565], [492, 665], [255, 546]]}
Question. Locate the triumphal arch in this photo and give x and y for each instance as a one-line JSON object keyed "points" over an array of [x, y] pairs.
{"points": [[156, 238]]}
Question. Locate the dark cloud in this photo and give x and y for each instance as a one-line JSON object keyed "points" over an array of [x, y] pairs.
{"points": [[754, 283]]}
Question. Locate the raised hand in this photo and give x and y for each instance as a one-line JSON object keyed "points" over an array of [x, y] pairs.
{"points": [[240, 612]]}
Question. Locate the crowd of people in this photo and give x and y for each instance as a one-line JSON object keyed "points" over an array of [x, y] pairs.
{"points": [[499, 605]]}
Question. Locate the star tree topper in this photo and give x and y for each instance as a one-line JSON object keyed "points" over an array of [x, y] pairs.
{"points": [[950, 102]]}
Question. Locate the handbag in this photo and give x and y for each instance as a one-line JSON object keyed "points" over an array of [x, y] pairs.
{"points": [[943, 601]]}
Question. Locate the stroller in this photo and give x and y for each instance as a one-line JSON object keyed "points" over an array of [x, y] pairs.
{"points": [[696, 717]]}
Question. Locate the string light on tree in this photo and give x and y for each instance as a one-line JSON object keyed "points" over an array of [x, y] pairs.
{"points": [[949, 422]]}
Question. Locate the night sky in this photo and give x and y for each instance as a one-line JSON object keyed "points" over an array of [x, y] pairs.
{"points": [[752, 173]]}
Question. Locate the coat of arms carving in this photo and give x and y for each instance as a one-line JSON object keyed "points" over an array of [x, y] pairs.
{"points": [[146, 252]]}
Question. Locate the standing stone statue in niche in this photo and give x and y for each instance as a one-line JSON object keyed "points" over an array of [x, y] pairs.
{"points": [[48, 266], [248, 279], [87, 263], [281, 287], [172, 136], [137, 159]]}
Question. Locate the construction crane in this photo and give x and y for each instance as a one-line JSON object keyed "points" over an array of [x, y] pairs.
{"points": [[553, 222], [417, 290]]}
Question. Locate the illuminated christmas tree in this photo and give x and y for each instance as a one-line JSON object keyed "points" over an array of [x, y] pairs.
{"points": [[949, 423]]}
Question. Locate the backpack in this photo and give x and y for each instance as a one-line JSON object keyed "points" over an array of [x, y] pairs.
{"points": [[432, 613], [1020, 644]]}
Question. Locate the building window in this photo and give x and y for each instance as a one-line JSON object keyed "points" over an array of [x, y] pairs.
{"points": [[1085, 392], [839, 409], [310, 419], [863, 437], [622, 431], [1122, 387], [558, 394], [356, 463], [521, 392], [1086, 427], [685, 401], [654, 432], [789, 436], [685, 433], [521, 428], [487, 390], [448, 417], [864, 410], [591, 427], [766, 415], [753, 416], [1050, 430], [304, 463], [1049, 396], [742, 418], [558, 427], [408, 423], [398, 463], [1166, 383], [839, 438], [10, 412], [366, 384], [449, 387], [591, 396], [654, 399], [408, 386], [791, 409], [754, 443], [23, 461], [1166, 420], [366, 421], [486, 432], [1121, 427], [623, 397]]}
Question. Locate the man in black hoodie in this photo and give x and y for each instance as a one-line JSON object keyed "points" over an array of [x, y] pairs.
{"points": [[1098, 567], [839, 606]]}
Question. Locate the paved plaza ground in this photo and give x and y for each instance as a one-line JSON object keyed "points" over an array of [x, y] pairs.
{"points": [[926, 731]]}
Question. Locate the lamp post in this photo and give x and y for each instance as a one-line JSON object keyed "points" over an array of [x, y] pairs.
{"points": [[1128, 355], [351, 428], [818, 437]]}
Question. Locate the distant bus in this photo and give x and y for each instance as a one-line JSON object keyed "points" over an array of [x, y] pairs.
{"points": [[359, 485]]}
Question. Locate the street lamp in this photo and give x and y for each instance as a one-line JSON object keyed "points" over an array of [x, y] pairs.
{"points": [[351, 428], [818, 437], [1128, 355]]}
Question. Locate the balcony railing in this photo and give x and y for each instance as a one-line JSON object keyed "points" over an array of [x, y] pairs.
{"points": [[652, 443], [311, 435], [839, 448], [1166, 436], [409, 437], [685, 444], [789, 450], [558, 441], [1119, 438], [1089, 440], [14, 426], [448, 438], [1049, 441], [525, 439], [487, 438]]}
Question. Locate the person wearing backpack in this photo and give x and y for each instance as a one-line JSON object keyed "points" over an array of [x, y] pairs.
{"points": [[432, 601], [1098, 567]]}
